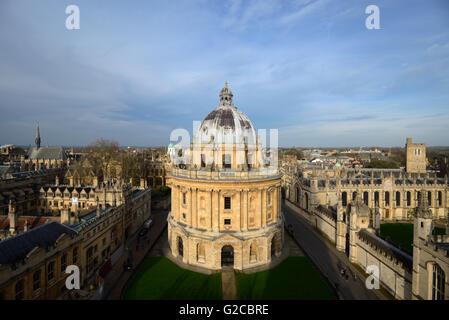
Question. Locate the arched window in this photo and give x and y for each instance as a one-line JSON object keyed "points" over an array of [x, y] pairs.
{"points": [[365, 197], [344, 199], [387, 198], [409, 199], [376, 198], [354, 195], [252, 203], [438, 282]]}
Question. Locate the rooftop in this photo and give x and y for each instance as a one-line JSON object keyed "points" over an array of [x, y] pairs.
{"points": [[16, 248]]}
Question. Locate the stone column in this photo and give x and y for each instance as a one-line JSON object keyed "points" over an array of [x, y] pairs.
{"points": [[245, 210], [195, 207], [264, 207], [259, 205], [211, 210], [216, 211], [175, 201], [239, 206], [278, 210], [189, 206]]}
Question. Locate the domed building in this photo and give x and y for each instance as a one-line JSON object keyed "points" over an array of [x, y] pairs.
{"points": [[226, 198]]}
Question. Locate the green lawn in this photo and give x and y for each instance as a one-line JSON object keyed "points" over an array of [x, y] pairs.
{"points": [[292, 279], [402, 234], [161, 279]]}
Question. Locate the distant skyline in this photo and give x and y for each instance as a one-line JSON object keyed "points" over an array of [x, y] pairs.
{"points": [[137, 70]]}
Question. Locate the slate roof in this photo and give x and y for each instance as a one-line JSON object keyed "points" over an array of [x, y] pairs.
{"points": [[16, 248], [33, 222], [50, 153]]}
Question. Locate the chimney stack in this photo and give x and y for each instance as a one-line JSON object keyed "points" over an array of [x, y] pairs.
{"points": [[13, 218], [66, 216], [26, 226]]}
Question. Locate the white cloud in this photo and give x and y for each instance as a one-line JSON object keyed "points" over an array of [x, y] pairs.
{"points": [[308, 9]]}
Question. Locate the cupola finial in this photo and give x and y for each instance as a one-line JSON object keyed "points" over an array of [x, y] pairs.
{"points": [[226, 95]]}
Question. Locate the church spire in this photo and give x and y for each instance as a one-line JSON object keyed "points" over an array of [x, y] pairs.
{"points": [[38, 137]]}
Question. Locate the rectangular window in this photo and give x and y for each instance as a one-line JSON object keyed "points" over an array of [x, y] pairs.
{"points": [[227, 222], [75, 256], [89, 258], [227, 202], [37, 280], [19, 290], [203, 161], [184, 198], [51, 271], [227, 161], [63, 262]]}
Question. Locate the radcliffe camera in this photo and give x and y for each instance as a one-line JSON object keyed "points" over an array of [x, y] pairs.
{"points": [[218, 159]]}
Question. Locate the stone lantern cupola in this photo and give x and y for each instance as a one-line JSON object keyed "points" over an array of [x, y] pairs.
{"points": [[226, 95]]}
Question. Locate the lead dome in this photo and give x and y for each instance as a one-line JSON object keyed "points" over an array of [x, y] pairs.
{"points": [[226, 124]]}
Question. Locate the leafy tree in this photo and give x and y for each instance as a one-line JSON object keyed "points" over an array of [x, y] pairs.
{"points": [[382, 164]]}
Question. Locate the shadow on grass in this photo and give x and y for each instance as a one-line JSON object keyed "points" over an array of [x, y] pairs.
{"points": [[161, 279], [293, 279]]}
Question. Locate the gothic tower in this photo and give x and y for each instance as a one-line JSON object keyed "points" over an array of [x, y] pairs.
{"points": [[422, 232], [415, 157]]}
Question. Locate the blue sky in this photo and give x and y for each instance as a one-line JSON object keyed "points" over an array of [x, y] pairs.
{"points": [[136, 70]]}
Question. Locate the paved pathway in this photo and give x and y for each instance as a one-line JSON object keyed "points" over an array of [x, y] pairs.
{"points": [[326, 258], [117, 278], [228, 287], [294, 250]]}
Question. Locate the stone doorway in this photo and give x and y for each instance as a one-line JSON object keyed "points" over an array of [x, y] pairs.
{"points": [[227, 256]]}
